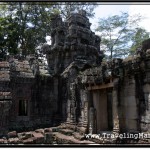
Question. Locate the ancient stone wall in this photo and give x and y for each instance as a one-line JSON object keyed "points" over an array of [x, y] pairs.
{"points": [[67, 82], [42, 86], [5, 96], [130, 92], [129, 106]]}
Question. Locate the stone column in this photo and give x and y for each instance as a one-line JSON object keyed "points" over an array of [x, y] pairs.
{"points": [[85, 100], [91, 120], [73, 104], [116, 127], [68, 111], [81, 105]]}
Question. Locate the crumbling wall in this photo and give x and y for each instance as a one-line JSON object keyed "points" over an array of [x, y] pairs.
{"points": [[131, 92], [5, 97]]}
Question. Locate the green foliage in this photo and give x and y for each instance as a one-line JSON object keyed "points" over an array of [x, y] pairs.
{"points": [[117, 32], [139, 36], [68, 7], [25, 25], [8, 40]]}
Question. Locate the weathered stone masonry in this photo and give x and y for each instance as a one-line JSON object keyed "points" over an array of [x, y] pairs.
{"points": [[130, 92], [66, 84]]}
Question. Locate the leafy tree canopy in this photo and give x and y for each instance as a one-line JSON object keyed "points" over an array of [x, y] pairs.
{"points": [[118, 33], [24, 25], [140, 35]]}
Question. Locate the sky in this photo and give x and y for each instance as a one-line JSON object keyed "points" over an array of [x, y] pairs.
{"points": [[108, 10]]}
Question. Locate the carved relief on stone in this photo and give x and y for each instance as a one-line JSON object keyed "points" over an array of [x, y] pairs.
{"points": [[92, 120], [73, 102], [85, 112]]}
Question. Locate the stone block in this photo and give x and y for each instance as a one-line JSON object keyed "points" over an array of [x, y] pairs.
{"points": [[48, 130], [54, 129], [21, 135], [81, 130], [40, 131], [78, 136], [48, 138], [12, 134], [66, 131], [14, 140], [28, 135], [39, 138], [29, 141], [3, 141]]}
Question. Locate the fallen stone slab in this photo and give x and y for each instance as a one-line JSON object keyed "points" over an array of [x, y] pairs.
{"points": [[3, 141], [55, 129], [40, 131], [81, 130], [12, 134], [78, 136], [39, 138], [24, 135], [31, 140], [28, 135], [48, 130], [49, 137], [14, 141], [64, 139], [66, 131], [20, 135]]}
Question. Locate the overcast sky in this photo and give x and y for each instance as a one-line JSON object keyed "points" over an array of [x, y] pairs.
{"points": [[108, 10]]}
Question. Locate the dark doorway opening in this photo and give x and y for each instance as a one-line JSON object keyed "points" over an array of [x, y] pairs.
{"points": [[23, 107]]}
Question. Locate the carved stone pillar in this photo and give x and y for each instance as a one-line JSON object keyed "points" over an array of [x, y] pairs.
{"points": [[91, 120], [81, 109], [73, 104], [68, 111], [116, 127], [85, 100]]}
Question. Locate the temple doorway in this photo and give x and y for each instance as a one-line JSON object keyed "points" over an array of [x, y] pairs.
{"points": [[102, 110]]}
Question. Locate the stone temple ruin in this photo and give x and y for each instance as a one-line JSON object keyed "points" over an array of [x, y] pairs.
{"points": [[65, 91]]}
